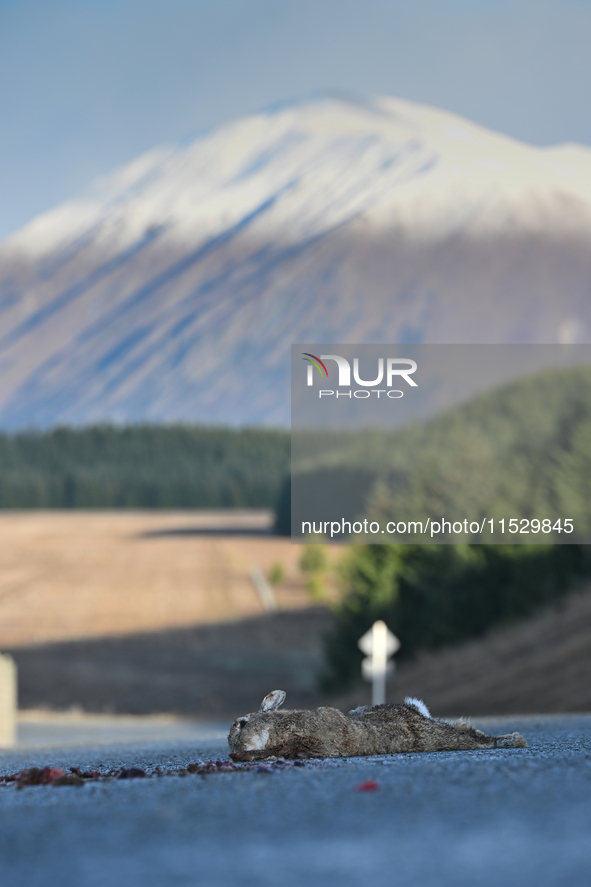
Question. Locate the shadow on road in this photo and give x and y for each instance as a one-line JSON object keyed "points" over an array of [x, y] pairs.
{"points": [[217, 670]]}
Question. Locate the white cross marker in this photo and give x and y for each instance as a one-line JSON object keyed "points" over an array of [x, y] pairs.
{"points": [[378, 644]]}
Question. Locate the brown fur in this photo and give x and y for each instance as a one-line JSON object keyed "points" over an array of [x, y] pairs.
{"points": [[327, 732]]}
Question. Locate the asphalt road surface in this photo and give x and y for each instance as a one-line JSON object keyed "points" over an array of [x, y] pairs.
{"points": [[502, 817]]}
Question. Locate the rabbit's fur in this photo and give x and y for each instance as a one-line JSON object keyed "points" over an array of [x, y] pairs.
{"points": [[328, 733]]}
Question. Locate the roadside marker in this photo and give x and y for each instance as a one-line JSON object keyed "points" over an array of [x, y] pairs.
{"points": [[7, 701], [378, 644]]}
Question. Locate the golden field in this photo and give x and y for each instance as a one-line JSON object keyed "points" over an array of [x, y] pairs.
{"points": [[67, 575]]}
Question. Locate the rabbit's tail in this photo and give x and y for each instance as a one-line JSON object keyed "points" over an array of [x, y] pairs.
{"points": [[417, 704]]}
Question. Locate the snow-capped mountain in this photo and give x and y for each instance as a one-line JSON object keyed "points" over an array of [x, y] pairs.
{"points": [[173, 289]]}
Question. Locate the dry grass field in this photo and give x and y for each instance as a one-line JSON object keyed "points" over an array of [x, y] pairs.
{"points": [[152, 611], [67, 575]]}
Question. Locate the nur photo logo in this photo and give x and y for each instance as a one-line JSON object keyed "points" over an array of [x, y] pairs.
{"points": [[389, 370]]}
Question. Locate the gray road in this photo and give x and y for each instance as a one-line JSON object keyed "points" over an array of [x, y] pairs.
{"points": [[53, 730], [506, 817]]}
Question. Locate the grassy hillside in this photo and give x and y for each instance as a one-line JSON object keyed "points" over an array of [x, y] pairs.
{"points": [[523, 450], [540, 664], [143, 466], [520, 450], [435, 596]]}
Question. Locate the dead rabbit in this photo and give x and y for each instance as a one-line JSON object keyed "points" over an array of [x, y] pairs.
{"points": [[328, 733]]}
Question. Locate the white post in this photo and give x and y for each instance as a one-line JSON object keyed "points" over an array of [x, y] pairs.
{"points": [[7, 701], [378, 644], [380, 658]]}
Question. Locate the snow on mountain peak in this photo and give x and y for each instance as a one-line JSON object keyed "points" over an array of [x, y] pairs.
{"points": [[329, 219], [419, 166]]}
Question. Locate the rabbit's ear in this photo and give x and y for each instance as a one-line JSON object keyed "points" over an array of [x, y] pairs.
{"points": [[273, 700]]}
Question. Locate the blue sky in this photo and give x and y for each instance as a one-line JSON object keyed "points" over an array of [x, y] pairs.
{"points": [[89, 84]]}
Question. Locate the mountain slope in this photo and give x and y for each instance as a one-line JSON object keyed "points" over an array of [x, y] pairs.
{"points": [[173, 289]]}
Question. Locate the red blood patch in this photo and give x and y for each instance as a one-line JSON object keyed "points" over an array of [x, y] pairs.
{"points": [[40, 776], [369, 786]]}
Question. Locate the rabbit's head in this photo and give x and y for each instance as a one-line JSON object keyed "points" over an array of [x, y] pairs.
{"points": [[252, 735]]}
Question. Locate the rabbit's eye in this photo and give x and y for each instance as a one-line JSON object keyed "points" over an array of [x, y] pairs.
{"points": [[242, 723]]}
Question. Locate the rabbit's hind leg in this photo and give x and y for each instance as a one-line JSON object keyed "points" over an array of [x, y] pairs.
{"points": [[511, 740]]}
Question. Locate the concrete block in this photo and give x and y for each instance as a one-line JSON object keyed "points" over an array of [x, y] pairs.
{"points": [[8, 701]]}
